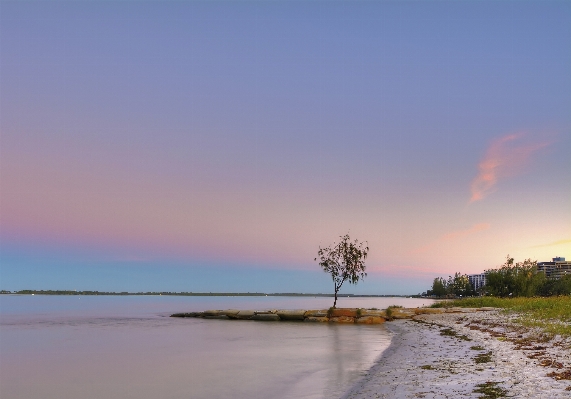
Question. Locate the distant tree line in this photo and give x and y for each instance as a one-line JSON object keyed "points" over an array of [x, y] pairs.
{"points": [[455, 286], [523, 279], [509, 280]]}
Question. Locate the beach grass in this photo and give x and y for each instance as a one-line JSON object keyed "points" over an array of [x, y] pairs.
{"points": [[551, 314]]}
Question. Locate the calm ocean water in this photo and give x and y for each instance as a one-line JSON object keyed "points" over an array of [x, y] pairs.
{"points": [[127, 347]]}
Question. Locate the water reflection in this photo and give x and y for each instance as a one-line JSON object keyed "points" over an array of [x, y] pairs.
{"points": [[121, 349]]}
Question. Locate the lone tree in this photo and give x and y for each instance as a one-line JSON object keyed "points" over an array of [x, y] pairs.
{"points": [[344, 261]]}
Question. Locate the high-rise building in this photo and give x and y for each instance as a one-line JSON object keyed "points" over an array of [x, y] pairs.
{"points": [[557, 268], [477, 280]]}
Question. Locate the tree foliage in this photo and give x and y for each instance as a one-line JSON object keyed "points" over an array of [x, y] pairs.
{"points": [[457, 285], [344, 261], [520, 279], [515, 279], [439, 287], [561, 286]]}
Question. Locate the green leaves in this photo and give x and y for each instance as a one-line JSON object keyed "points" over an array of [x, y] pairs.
{"points": [[519, 279]]}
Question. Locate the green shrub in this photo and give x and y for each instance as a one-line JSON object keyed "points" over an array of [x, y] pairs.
{"points": [[389, 313]]}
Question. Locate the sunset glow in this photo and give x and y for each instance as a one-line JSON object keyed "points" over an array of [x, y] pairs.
{"points": [[186, 145]]}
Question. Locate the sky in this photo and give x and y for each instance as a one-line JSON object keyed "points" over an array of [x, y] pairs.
{"points": [[213, 146]]}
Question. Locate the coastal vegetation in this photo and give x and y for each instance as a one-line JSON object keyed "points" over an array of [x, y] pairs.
{"points": [[389, 311], [509, 280], [457, 285], [550, 314], [344, 261], [523, 279]]}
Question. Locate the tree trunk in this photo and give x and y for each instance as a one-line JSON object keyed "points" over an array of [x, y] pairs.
{"points": [[335, 302]]}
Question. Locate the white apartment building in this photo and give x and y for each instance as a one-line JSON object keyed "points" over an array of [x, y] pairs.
{"points": [[477, 280], [557, 268]]}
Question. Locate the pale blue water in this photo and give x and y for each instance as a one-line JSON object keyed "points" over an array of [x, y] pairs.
{"points": [[127, 347]]}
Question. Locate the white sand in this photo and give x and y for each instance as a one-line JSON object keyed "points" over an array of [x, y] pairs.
{"points": [[454, 373]]}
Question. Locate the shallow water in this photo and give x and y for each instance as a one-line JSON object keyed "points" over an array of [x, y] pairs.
{"points": [[128, 347]]}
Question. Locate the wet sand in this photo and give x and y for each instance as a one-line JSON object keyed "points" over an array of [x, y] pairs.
{"points": [[423, 363]]}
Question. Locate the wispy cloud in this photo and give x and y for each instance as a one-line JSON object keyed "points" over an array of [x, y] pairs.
{"points": [[552, 244], [453, 236], [506, 156]]}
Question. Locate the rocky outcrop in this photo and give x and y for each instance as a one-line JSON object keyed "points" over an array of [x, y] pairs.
{"points": [[342, 319], [213, 313], [343, 312], [231, 312], [313, 319], [291, 314], [373, 312], [370, 320], [428, 310], [402, 313], [189, 314], [244, 314], [315, 313], [265, 317], [339, 315]]}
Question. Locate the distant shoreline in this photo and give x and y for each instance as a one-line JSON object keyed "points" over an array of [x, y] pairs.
{"points": [[162, 293]]}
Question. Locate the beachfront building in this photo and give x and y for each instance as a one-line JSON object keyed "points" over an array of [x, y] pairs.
{"points": [[557, 268], [477, 280]]}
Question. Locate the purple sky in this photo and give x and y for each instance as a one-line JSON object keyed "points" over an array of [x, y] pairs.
{"points": [[214, 146]]}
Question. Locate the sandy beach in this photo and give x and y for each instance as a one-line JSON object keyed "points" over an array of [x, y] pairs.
{"points": [[465, 355]]}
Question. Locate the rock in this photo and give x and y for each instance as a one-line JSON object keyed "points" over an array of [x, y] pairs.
{"points": [[230, 312], [315, 319], [485, 309], [213, 312], [428, 311], [346, 312], [402, 313], [189, 314], [265, 317], [375, 313], [243, 315], [220, 316], [315, 313], [291, 314], [454, 310], [370, 320], [469, 310], [342, 319]]}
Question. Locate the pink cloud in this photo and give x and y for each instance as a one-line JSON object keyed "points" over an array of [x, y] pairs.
{"points": [[505, 157], [453, 236]]}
